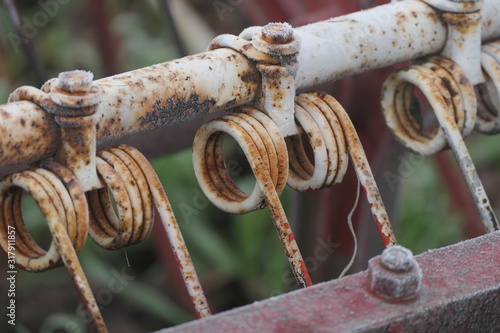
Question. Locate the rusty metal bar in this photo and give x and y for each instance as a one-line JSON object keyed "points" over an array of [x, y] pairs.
{"points": [[459, 292], [182, 89]]}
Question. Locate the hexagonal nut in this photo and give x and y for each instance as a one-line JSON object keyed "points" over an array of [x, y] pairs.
{"points": [[397, 259], [395, 279]]}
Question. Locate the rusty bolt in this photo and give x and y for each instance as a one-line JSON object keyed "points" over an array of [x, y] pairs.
{"points": [[277, 33], [276, 39], [76, 81], [75, 89], [395, 276]]}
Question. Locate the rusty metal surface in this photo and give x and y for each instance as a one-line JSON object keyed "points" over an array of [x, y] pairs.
{"points": [[180, 90], [463, 45], [132, 182], [118, 215], [62, 202], [137, 101], [332, 135], [459, 292], [265, 150], [452, 99]]}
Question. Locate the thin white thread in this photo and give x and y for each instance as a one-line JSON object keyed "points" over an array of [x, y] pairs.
{"points": [[126, 257], [351, 227]]}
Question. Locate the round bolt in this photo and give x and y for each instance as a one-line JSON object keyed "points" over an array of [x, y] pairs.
{"points": [[397, 258], [75, 90], [276, 39], [277, 33], [395, 276], [76, 81]]}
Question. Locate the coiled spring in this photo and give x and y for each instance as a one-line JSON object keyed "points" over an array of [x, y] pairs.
{"points": [[488, 113], [61, 200], [452, 98], [331, 135], [266, 152], [135, 187], [121, 214]]}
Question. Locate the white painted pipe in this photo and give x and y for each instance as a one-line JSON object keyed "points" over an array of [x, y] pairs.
{"points": [[181, 89]]}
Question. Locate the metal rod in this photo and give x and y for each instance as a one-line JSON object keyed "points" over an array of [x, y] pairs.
{"points": [[182, 89], [173, 30], [26, 42]]}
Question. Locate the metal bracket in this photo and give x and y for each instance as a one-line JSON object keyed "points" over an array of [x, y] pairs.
{"points": [[463, 44], [274, 47], [77, 98]]}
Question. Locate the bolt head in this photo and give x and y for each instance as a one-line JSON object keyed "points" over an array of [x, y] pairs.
{"points": [[75, 90], [276, 39], [76, 81], [395, 276], [277, 33], [397, 258]]}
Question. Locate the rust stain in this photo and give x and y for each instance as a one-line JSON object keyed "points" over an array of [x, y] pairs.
{"points": [[252, 77], [176, 109]]}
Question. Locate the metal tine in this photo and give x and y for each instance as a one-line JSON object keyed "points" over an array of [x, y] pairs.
{"points": [[265, 149], [453, 101]]}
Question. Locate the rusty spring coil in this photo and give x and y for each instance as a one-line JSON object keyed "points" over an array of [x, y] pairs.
{"points": [[132, 187], [331, 135], [121, 214], [62, 202], [265, 150], [488, 114], [452, 99]]}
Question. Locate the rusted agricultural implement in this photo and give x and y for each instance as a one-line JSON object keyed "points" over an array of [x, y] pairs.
{"points": [[304, 140]]}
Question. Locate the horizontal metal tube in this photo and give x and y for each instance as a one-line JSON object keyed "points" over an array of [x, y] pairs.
{"points": [[368, 39], [137, 101], [182, 89]]}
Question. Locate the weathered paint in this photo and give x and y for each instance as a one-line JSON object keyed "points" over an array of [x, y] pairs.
{"points": [[458, 293], [135, 187], [265, 150], [332, 135], [61, 200], [463, 44], [452, 99], [395, 276], [181, 89]]}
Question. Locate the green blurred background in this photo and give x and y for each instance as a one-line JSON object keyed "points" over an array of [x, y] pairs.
{"points": [[238, 258]]}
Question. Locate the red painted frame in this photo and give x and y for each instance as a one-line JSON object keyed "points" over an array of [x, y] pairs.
{"points": [[460, 292]]}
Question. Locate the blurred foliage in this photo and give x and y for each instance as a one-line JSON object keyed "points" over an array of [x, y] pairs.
{"points": [[426, 219]]}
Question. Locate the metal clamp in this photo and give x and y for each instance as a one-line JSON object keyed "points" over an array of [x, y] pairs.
{"points": [[274, 47], [77, 98], [72, 98], [463, 44]]}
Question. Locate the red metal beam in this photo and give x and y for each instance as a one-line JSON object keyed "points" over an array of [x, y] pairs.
{"points": [[460, 292]]}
